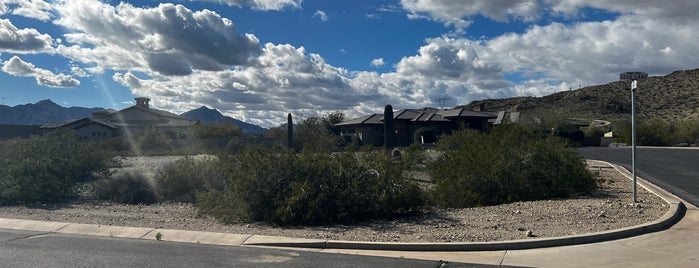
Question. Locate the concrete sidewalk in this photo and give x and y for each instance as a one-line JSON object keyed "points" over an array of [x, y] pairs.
{"points": [[662, 243]]}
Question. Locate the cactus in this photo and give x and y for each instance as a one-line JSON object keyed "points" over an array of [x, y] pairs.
{"points": [[389, 135], [290, 131]]}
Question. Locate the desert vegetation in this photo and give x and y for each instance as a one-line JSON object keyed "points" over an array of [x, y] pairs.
{"points": [[311, 182]]}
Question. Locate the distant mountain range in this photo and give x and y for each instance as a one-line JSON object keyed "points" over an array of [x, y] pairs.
{"points": [[42, 112], [206, 115], [46, 111]]}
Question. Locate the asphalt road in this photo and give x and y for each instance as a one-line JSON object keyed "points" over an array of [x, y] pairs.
{"points": [[673, 169], [35, 249]]}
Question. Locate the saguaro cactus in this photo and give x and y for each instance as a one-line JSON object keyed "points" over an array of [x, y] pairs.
{"points": [[290, 131], [389, 135]]}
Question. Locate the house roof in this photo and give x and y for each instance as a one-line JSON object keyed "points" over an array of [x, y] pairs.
{"points": [[418, 115], [461, 112], [430, 117], [372, 119], [76, 123]]}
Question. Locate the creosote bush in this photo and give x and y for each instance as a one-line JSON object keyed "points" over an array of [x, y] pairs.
{"points": [[47, 168], [125, 187], [181, 180], [510, 164], [286, 188]]}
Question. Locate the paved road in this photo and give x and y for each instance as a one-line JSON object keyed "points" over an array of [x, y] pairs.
{"points": [[673, 169], [34, 249]]}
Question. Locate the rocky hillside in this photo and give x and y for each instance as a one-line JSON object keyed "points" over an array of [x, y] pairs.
{"points": [[671, 97]]}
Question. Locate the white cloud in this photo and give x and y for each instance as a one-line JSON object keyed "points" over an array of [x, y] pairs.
{"points": [[17, 67], [678, 10], [3, 8], [596, 52], [378, 62], [454, 13], [35, 9], [17, 40], [259, 4], [320, 15], [168, 39]]}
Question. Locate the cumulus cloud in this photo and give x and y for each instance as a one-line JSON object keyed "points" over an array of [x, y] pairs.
{"points": [[679, 10], [35, 9], [595, 52], [17, 40], [320, 15], [168, 39], [17, 67], [378, 62], [455, 13], [259, 4]]}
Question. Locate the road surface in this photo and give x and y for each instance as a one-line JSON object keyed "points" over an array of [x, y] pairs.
{"points": [[673, 169]]}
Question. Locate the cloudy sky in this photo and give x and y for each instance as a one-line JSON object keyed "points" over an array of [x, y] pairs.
{"points": [[257, 60]]}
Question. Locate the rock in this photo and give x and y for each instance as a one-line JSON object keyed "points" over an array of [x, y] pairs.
{"points": [[602, 214], [530, 233]]}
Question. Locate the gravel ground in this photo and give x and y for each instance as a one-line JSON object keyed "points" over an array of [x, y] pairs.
{"points": [[606, 209]]}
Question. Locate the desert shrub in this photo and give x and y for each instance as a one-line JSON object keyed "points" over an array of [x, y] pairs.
{"points": [[47, 168], [510, 164], [125, 187], [182, 179], [285, 188]]}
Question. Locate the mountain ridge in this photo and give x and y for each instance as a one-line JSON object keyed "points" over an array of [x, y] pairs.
{"points": [[206, 115], [45, 111]]}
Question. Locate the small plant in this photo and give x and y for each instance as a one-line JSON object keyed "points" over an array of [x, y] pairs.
{"points": [[159, 236]]}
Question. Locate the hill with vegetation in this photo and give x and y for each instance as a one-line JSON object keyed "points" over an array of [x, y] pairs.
{"points": [[673, 97]]}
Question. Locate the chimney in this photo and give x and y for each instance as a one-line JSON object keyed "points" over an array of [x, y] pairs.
{"points": [[142, 102]]}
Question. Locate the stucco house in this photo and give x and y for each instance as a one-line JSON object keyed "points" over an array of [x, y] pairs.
{"points": [[130, 121], [414, 125]]}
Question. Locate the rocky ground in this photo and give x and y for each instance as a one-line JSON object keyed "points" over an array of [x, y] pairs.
{"points": [[607, 208]]}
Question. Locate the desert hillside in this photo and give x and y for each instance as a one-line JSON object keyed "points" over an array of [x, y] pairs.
{"points": [[671, 97]]}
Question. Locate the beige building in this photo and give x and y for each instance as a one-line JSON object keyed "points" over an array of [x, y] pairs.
{"points": [[128, 122]]}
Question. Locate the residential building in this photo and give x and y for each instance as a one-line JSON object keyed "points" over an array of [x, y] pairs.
{"points": [[130, 121], [414, 125]]}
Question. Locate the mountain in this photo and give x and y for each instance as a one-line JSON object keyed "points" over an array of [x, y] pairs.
{"points": [[42, 112], [213, 116], [671, 97]]}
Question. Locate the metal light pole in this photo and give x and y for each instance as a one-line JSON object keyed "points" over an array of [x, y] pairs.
{"points": [[634, 84]]}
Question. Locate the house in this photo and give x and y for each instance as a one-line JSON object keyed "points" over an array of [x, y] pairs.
{"points": [[130, 121], [414, 125]]}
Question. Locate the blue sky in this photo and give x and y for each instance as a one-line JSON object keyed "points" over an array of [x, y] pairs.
{"points": [[257, 60]]}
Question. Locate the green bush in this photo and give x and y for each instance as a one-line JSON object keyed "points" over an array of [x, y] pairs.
{"points": [[510, 164], [285, 188], [181, 180], [47, 168], [125, 187]]}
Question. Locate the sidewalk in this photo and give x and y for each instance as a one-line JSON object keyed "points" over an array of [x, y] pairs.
{"points": [[662, 243]]}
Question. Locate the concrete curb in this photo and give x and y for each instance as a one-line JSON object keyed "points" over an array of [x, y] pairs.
{"points": [[674, 214]]}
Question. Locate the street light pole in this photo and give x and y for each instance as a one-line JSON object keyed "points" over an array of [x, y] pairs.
{"points": [[634, 84]]}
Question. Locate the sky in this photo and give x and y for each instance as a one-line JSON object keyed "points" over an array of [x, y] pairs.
{"points": [[257, 60]]}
